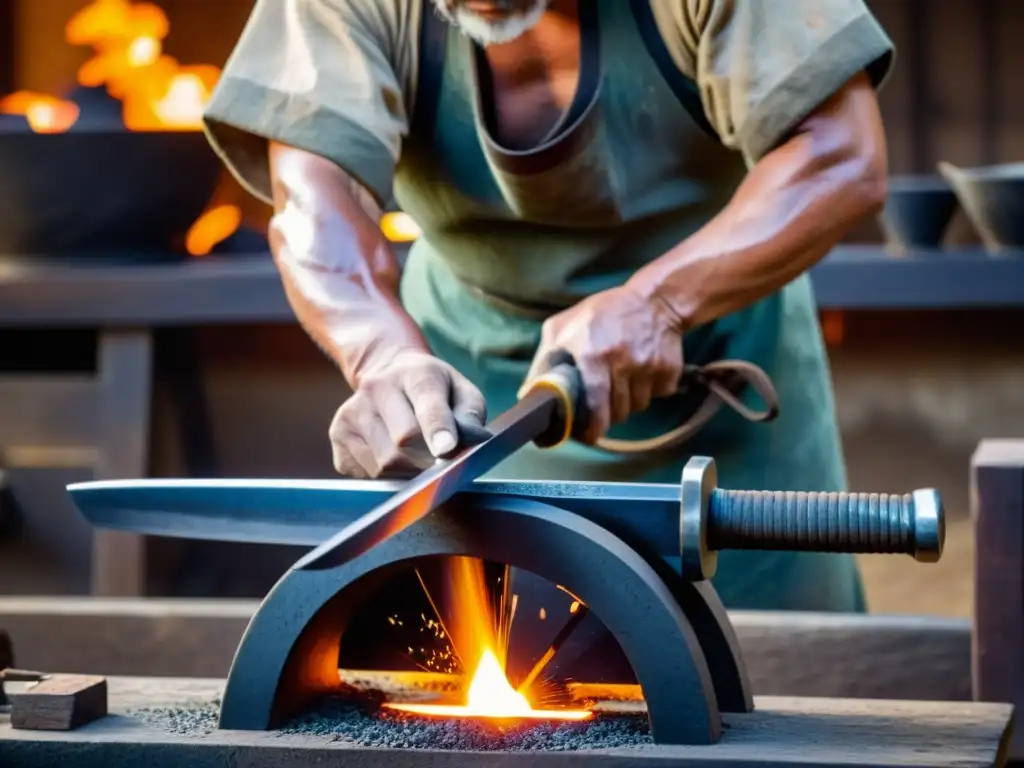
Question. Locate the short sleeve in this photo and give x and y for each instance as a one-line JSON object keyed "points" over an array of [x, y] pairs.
{"points": [[763, 66], [332, 77]]}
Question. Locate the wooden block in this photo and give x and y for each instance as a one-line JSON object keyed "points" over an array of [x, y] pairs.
{"points": [[997, 501], [59, 703]]}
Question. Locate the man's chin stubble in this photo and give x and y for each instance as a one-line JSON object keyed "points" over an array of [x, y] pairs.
{"points": [[486, 32]]}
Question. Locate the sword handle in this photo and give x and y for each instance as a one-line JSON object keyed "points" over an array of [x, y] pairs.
{"points": [[561, 378]]}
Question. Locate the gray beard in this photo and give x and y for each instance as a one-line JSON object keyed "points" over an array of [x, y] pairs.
{"points": [[486, 32]]}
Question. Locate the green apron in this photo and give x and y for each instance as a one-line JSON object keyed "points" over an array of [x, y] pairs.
{"points": [[510, 237]]}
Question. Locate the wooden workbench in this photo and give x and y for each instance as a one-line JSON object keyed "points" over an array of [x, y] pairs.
{"points": [[781, 732]]}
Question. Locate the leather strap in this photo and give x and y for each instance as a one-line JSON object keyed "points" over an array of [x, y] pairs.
{"points": [[432, 41], [724, 382], [683, 87]]}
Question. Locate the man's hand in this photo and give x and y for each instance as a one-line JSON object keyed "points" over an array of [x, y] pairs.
{"points": [[403, 415], [627, 349]]}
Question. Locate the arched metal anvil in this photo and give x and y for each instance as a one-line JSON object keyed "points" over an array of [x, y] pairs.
{"points": [[608, 544]]}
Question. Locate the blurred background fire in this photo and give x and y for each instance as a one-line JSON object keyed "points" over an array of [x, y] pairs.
{"points": [[153, 92]]}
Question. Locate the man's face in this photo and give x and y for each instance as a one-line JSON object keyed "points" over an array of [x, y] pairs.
{"points": [[492, 21]]}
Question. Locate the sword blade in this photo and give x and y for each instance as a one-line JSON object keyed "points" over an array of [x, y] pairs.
{"points": [[308, 512]]}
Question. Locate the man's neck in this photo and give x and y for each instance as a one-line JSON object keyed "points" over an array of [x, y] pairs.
{"points": [[556, 33], [535, 76]]}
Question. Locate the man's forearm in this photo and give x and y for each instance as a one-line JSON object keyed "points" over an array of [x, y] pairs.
{"points": [[792, 208], [339, 272]]}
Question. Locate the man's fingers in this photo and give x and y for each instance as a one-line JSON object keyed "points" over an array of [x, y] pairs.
{"points": [[641, 389], [428, 392], [352, 457], [468, 402], [597, 384], [370, 428], [350, 454], [398, 416], [668, 375], [620, 399]]}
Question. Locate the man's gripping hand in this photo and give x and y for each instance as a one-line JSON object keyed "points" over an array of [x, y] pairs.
{"points": [[628, 349], [404, 413]]}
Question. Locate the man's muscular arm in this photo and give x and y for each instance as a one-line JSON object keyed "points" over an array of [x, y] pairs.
{"points": [[795, 204], [339, 271], [341, 278]]}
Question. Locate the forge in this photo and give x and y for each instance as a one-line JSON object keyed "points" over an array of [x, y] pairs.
{"points": [[624, 654]]}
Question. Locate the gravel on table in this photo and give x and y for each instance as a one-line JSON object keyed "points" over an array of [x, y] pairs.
{"points": [[194, 720], [359, 726]]}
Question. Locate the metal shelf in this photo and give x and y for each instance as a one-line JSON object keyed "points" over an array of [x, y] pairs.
{"points": [[867, 277], [247, 289]]}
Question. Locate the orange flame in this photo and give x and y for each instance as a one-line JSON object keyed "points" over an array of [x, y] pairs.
{"points": [[45, 114], [158, 93], [109, 24], [489, 694], [213, 227]]}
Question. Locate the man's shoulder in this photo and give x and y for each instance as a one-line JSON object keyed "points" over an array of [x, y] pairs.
{"points": [[392, 19], [391, 28], [679, 23]]}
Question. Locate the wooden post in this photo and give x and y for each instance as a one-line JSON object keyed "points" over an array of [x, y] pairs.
{"points": [[125, 380], [997, 647]]}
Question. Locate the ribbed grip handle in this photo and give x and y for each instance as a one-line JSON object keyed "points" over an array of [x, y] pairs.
{"points": [[817, 522]]}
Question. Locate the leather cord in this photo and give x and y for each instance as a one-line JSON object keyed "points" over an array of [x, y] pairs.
{"points": [[725, 381]]}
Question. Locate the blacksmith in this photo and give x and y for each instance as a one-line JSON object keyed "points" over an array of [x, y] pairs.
{"points": [[637, 182]]}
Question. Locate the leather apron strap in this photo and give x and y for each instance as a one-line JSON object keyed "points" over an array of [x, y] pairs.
{"points": [[433, 39]]}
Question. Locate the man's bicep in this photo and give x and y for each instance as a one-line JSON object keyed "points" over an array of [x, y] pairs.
{"points": [[315, 75], [298, 177], [763, 67]]}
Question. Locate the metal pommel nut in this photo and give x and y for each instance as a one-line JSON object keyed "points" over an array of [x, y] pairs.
{"points": [[714, 519], [928, 521]]}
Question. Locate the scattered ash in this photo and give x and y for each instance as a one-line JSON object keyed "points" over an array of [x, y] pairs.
{"points": [[196, 720], [348, 723]]}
